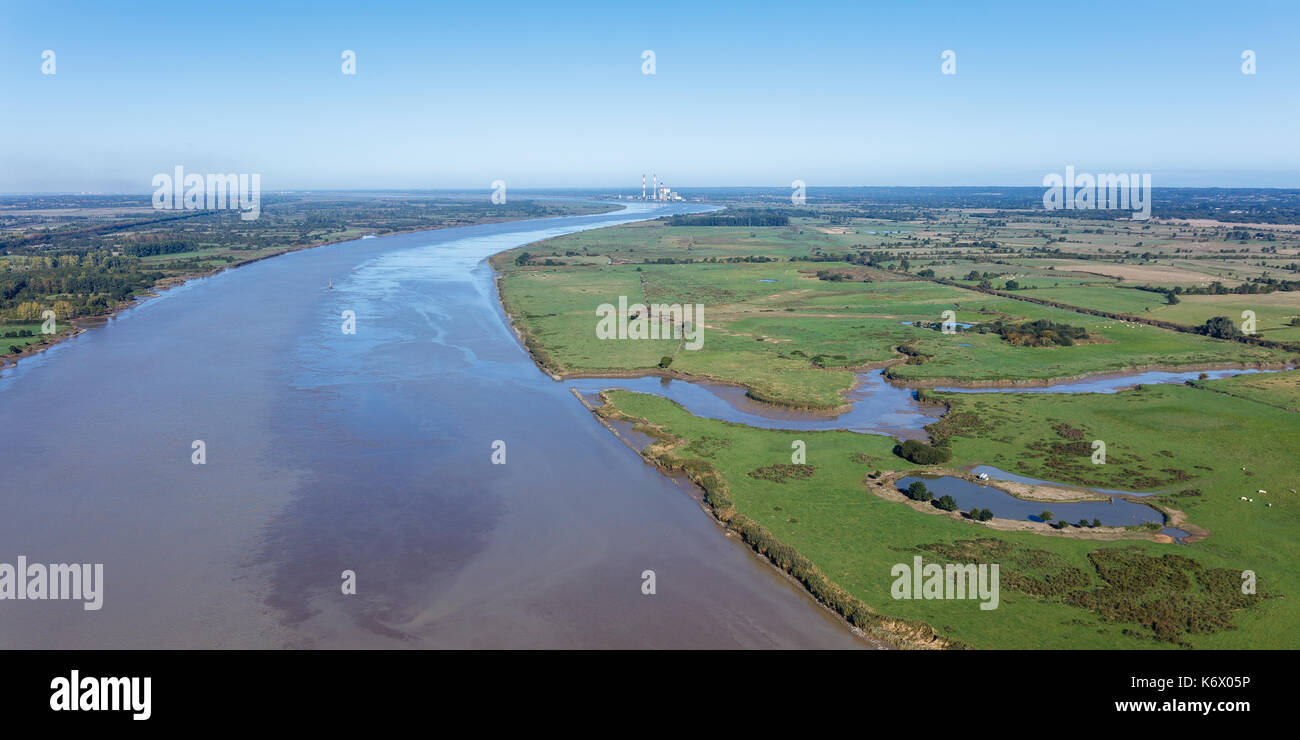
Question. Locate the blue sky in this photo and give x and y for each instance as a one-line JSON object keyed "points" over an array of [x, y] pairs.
{"points": [[552, 95]]}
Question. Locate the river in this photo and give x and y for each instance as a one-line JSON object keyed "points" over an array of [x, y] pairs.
{"points": [[369, 452]]}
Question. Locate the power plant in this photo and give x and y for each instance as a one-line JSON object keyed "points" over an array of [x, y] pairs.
{"points": [[658, 191]]}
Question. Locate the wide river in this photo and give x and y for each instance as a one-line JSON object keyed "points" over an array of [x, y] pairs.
{"points": [[369, 452]]}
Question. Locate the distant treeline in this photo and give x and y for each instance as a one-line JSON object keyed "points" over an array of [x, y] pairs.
{"points": [[89, 284], [1256, 287], [1238, 205], [171, 246], [1245, 339], [732, 218]]}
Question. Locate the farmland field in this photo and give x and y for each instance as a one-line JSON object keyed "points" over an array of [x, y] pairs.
{"points": [[792, 313], [855, 536]]}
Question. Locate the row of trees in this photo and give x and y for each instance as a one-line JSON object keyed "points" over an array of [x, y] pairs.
{"points": [[32, 311]]}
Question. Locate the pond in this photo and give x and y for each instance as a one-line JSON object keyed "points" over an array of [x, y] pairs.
{"points": [[1114, 513]]}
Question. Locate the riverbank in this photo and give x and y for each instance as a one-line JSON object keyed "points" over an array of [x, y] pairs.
{"points": [[856, 614], [80, 324], [817, 509]]}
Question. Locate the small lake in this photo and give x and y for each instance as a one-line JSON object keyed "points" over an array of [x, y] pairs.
{"points": [[1113, 382], [1114, 513], [999, 474]]}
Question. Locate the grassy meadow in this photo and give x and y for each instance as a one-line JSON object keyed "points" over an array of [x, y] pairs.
{"points": [[855, 537], [793, 338], [786, 316]]}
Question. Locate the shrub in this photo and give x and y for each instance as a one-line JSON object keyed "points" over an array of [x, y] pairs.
{"points": [[917, 491], [1219, 327], [921, 453]]}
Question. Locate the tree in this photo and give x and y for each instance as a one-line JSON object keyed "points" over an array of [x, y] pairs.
{"points": [[1046, 516], [1219, 327], [921, 453], [986, 515], [63, 310], [973, 275], [1096, 522], [918, 492], [1013, 285], [29, 311], [947, 503]]}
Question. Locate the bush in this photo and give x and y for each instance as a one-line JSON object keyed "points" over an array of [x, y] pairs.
{"points": [[917, 491], [1219, 327], [921, 453], [665, 361]]}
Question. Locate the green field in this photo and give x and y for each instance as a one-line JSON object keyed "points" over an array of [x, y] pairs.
{"points": [[1273, 311], [1275, 389], [791, 319], [20, 342], [793, 338], [855, 537]]}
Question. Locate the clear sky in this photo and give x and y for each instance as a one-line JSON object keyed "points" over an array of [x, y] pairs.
{"points": [[550, 94]]}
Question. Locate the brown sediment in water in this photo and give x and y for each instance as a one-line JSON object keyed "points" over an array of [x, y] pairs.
{"points": [[82, 323]]}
